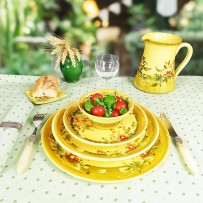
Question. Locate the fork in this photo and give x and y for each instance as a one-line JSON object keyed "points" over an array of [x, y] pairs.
{"points": [[26, 154]]}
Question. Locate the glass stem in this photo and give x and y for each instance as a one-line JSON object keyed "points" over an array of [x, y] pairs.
{"points": [[105, 83]]}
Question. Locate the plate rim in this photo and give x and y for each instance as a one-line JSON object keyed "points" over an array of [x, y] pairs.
{"points": [[51, 99]]}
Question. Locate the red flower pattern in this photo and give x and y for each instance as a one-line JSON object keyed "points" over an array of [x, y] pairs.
{"points": [[72, 158], [130, 146], [145, 154], [76, 120], [122, 137], [168, 73]]}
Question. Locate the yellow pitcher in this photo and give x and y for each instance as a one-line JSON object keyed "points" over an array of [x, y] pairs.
{"points": [[157, 72]]}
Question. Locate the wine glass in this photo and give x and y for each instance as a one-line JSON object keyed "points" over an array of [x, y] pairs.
{"points": [[107, 66]]}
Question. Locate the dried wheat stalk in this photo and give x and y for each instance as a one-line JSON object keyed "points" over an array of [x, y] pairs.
{"points": [[62, 49]]}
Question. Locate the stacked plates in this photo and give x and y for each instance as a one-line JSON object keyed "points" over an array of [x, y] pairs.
{"points": [[105, 153]]}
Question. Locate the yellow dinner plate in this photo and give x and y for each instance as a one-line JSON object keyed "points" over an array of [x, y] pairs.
{"points": [[44, 100], [72, 164], [81, 147]]}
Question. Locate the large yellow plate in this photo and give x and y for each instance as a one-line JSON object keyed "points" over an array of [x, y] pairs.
{"points": [[92, 150], [70, 163], [44, 100]]}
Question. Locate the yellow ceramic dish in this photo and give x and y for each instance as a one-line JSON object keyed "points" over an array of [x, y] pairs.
{"points": [[105, 120], [132, 127], [75, 166], [110, 149], [44, 100], [102, 151]]}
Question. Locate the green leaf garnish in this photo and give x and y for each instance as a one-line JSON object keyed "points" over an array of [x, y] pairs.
{"points": [[110, 101], [127, 101], [123, 111], [108, 112], [99, 101], [88, 106]]}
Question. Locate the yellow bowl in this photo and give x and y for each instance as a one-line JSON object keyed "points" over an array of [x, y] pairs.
{"points": [[105, 120]]}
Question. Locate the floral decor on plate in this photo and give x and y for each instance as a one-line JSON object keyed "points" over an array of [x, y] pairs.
{"points": [[136, 164], [68, 58]]}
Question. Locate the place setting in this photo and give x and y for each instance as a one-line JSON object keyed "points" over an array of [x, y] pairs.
{"points": [[98, 159]]}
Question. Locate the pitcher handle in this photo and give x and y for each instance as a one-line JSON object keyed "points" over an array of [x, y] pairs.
{"points": [[186, 59]]}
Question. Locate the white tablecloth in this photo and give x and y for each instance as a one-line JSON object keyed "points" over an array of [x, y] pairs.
{"points": [[170, 182]]}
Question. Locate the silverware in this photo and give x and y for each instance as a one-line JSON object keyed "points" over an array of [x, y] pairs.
{"points": [[189, 160], [26, 154]]}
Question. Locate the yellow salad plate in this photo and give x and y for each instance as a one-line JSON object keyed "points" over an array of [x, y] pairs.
{"points": [[132, 127], [76, 166]]}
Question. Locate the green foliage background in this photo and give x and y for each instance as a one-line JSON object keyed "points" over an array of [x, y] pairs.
{"points": [[66, 18], [37, 18]]}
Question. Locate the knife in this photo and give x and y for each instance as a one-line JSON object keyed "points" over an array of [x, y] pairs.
{"points": [[189, 160]]}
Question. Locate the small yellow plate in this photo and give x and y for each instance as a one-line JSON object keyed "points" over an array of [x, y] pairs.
{"points": [[71, 165], [44, 100]]}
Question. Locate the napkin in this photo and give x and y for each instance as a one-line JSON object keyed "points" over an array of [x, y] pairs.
{"points": [[16, 117]]}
